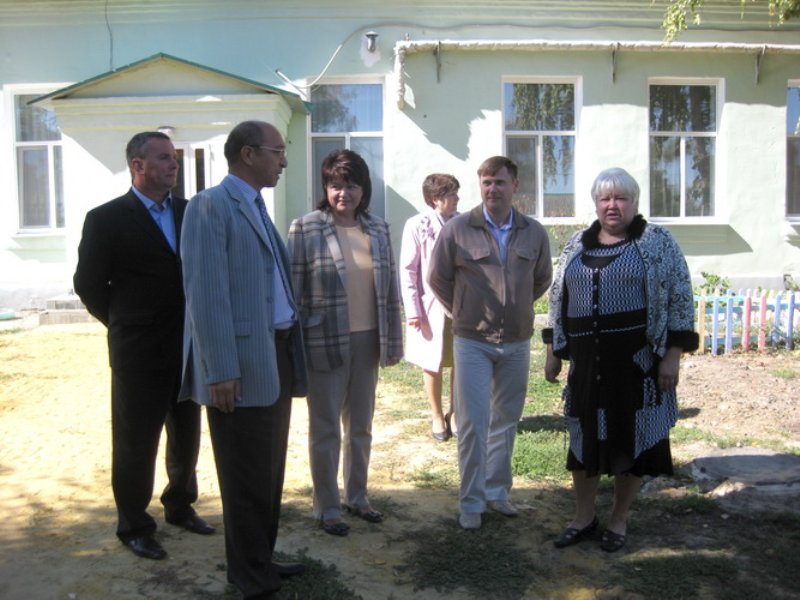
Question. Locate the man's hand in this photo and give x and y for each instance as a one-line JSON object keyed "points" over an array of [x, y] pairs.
{"points": [[226, 394]]}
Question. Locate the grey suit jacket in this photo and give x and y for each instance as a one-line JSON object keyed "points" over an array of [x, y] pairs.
{"points": [[228, 279]]}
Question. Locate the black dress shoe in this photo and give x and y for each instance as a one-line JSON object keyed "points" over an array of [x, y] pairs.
{"points": [[289, 569], [194, 524], [146, 546]]}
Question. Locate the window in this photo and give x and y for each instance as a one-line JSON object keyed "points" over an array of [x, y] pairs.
{"points": [[683, 127], [349, 116], [540, 138], [39, 166], [793, 152], [193, 170]]}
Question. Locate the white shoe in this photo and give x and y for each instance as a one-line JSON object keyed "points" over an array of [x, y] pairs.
{"points": [[470, 520], [504, 507]]}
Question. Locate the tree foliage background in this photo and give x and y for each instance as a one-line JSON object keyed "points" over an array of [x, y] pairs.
{"points": [[679, 13]]}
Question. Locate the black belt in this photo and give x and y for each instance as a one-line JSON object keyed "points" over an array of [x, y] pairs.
{"points": [[283, 334]]}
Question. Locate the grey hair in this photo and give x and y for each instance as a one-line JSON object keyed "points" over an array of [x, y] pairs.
{"points": [[616, 179]]}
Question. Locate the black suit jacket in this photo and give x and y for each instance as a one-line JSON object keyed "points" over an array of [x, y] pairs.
{"points": [[130, 279]]}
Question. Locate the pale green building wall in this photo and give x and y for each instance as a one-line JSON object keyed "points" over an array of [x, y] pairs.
{"points": [[450, 124]]}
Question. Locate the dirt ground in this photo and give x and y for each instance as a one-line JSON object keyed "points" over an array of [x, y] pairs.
{"points": [[56, 510]]}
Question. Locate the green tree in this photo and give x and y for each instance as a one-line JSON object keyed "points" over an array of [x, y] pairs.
{"points": [[679, 13]]}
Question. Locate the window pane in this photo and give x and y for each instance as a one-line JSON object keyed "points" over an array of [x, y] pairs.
{"points": [[793, 176], [559, 182], [34, 123], [34, 187], [793, 111], [686, 108], [699, 177], [320, 148], [371, 150], [540, 106], [59, 185], [349, 107], [522, 150], [179, 189], [200, 169], [665, 177]]}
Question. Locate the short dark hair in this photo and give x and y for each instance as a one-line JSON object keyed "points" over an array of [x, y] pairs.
{"points": [[135, 147], [492, 165], [246, 133], [438, 185], [350, 168]]}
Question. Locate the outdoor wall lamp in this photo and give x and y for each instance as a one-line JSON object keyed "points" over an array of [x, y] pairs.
{"points": [[372, 40]]}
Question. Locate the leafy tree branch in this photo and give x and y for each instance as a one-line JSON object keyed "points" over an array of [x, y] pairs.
{"points": [[679, 14]]}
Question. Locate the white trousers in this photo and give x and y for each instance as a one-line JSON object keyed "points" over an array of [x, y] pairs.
{"points": [[491, 383]]}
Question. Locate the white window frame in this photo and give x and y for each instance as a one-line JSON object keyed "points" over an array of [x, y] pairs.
{"points": [[313, 196], [718, 194], [793, 218], [576, 82], [9, 132]]}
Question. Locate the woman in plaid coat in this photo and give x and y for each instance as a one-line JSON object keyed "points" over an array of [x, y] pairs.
{"points": [[345, 280]]}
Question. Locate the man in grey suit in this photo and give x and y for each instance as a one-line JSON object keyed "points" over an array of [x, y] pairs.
{"points": [[243, 356]]}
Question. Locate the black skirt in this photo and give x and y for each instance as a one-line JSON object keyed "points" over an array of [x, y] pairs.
{"points": [[618, 420]]}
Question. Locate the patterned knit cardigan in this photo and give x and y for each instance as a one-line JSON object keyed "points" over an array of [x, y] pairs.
{"points": [[668, 288]]}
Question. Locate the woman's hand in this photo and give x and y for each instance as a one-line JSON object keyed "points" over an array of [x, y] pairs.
{"points": [[552, 365], [421, 324], [668, 369]]}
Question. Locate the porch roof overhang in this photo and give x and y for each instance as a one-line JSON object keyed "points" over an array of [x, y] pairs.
{"points": [[197, 79]]}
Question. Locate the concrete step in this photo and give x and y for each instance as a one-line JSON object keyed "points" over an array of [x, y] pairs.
{"points": [[65, 317], [64, 302]]}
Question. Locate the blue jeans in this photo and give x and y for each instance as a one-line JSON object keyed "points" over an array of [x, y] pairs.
{"points": [[491, 383]]}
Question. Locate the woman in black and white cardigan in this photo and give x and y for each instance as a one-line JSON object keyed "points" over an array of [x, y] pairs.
{"points": [[622, 312]]}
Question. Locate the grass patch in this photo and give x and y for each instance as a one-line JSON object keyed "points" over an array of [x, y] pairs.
{"points": [[320, 581], [674, 577], [445, 558], [687, 435], [539, 455], [435, 479], [690, 503], [785, 373]]}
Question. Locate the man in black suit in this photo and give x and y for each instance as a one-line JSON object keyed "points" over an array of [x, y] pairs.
{"points": [[129, 277]]}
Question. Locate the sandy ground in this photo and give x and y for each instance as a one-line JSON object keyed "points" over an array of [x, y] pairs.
{"points": [[56, 510]]}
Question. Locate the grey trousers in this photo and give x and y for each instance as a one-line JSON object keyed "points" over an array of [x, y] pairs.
{"points": [[343, 401]]}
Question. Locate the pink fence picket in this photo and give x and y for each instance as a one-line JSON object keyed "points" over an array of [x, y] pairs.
{"points": [[740, 320]]}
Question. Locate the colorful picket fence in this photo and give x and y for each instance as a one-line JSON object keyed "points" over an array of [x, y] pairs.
{"points": [[747, 318]]}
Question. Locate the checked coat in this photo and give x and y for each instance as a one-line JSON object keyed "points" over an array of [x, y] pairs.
{"points": [[319, 277]]}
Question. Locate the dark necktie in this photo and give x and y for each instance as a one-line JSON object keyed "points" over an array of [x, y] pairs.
{"points": [[272, 236]]}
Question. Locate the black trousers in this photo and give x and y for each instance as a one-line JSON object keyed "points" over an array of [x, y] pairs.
{"points": [[250, 452], [142, 404]]}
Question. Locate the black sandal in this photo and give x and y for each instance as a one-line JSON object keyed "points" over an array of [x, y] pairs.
{"points": [[611, 542], [447, 420], [339, 528], [573, 535], [369, 515]]}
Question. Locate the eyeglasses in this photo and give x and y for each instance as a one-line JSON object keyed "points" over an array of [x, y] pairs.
{"points": [[279, 151]]}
